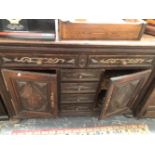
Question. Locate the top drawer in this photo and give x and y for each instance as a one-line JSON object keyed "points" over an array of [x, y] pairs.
{"points": [[81, 74], [119, 60], [55, 60]]}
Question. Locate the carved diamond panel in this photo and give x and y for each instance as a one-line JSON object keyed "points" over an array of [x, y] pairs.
{"points": [[33, 95], [122, 94]]}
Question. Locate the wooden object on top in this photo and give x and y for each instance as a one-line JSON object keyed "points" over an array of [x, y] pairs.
{"points": [[150, 28], [85, 30]]}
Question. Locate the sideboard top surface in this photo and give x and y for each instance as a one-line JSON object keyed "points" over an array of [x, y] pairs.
{"points": [[147, 40]]}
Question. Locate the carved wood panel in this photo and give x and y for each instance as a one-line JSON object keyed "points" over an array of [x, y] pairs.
{"points": [[32, 94], [122, 93], [102, 61], [52, 60], [82, 61]]}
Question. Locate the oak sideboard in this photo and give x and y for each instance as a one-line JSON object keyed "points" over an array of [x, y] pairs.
{"points": [[42, 79]]}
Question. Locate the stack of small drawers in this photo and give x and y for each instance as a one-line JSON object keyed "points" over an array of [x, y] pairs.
{"points": [[78, 90]]}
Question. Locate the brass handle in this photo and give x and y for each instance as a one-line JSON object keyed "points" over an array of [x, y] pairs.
{"points": [[80, 76], [124, 62], [39, 62]]}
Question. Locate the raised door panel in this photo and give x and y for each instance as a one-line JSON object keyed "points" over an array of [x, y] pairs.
{"points": [[32, 94], [122, 93]]}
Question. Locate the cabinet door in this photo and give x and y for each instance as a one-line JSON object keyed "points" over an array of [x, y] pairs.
{"points": [[32, 94], [3, 113], [150, 105], [122, 93]]}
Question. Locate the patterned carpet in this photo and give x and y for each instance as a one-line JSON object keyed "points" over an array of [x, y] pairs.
{"points": [[123, 129], [77, 126]]}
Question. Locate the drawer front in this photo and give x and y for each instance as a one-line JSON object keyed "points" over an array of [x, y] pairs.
{"points": [[86, 87], [76, 107], [80, 75], [150, 113], [151, 108], [77, 98], [119, 60], [52, 60]]}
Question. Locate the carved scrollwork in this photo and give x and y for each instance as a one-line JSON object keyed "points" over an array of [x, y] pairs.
{"points": [[39, 60], [82, 61], [123, 61], [5, 59]]}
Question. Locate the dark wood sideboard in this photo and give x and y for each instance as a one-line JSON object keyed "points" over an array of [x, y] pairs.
{"points": [[40, 79]]}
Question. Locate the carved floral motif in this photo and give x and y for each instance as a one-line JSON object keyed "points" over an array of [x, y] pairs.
{"points": [[121, 60], [38, 60]]}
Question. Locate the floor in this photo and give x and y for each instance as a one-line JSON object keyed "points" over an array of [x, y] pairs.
{"points": [[71, 122]]}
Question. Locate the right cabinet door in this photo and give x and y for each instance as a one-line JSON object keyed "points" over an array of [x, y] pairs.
{"points": [[122, 93], [150, 102]]}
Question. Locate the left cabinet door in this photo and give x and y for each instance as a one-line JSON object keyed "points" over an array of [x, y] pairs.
{"points": [[32, 94], [3, 112]]}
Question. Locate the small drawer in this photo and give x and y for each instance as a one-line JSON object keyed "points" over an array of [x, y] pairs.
{"points": [[80, 75], [119, 60], [86, 87], [56, 60], [77, 98], [76, 107], [151, 107], [150, 114]]}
